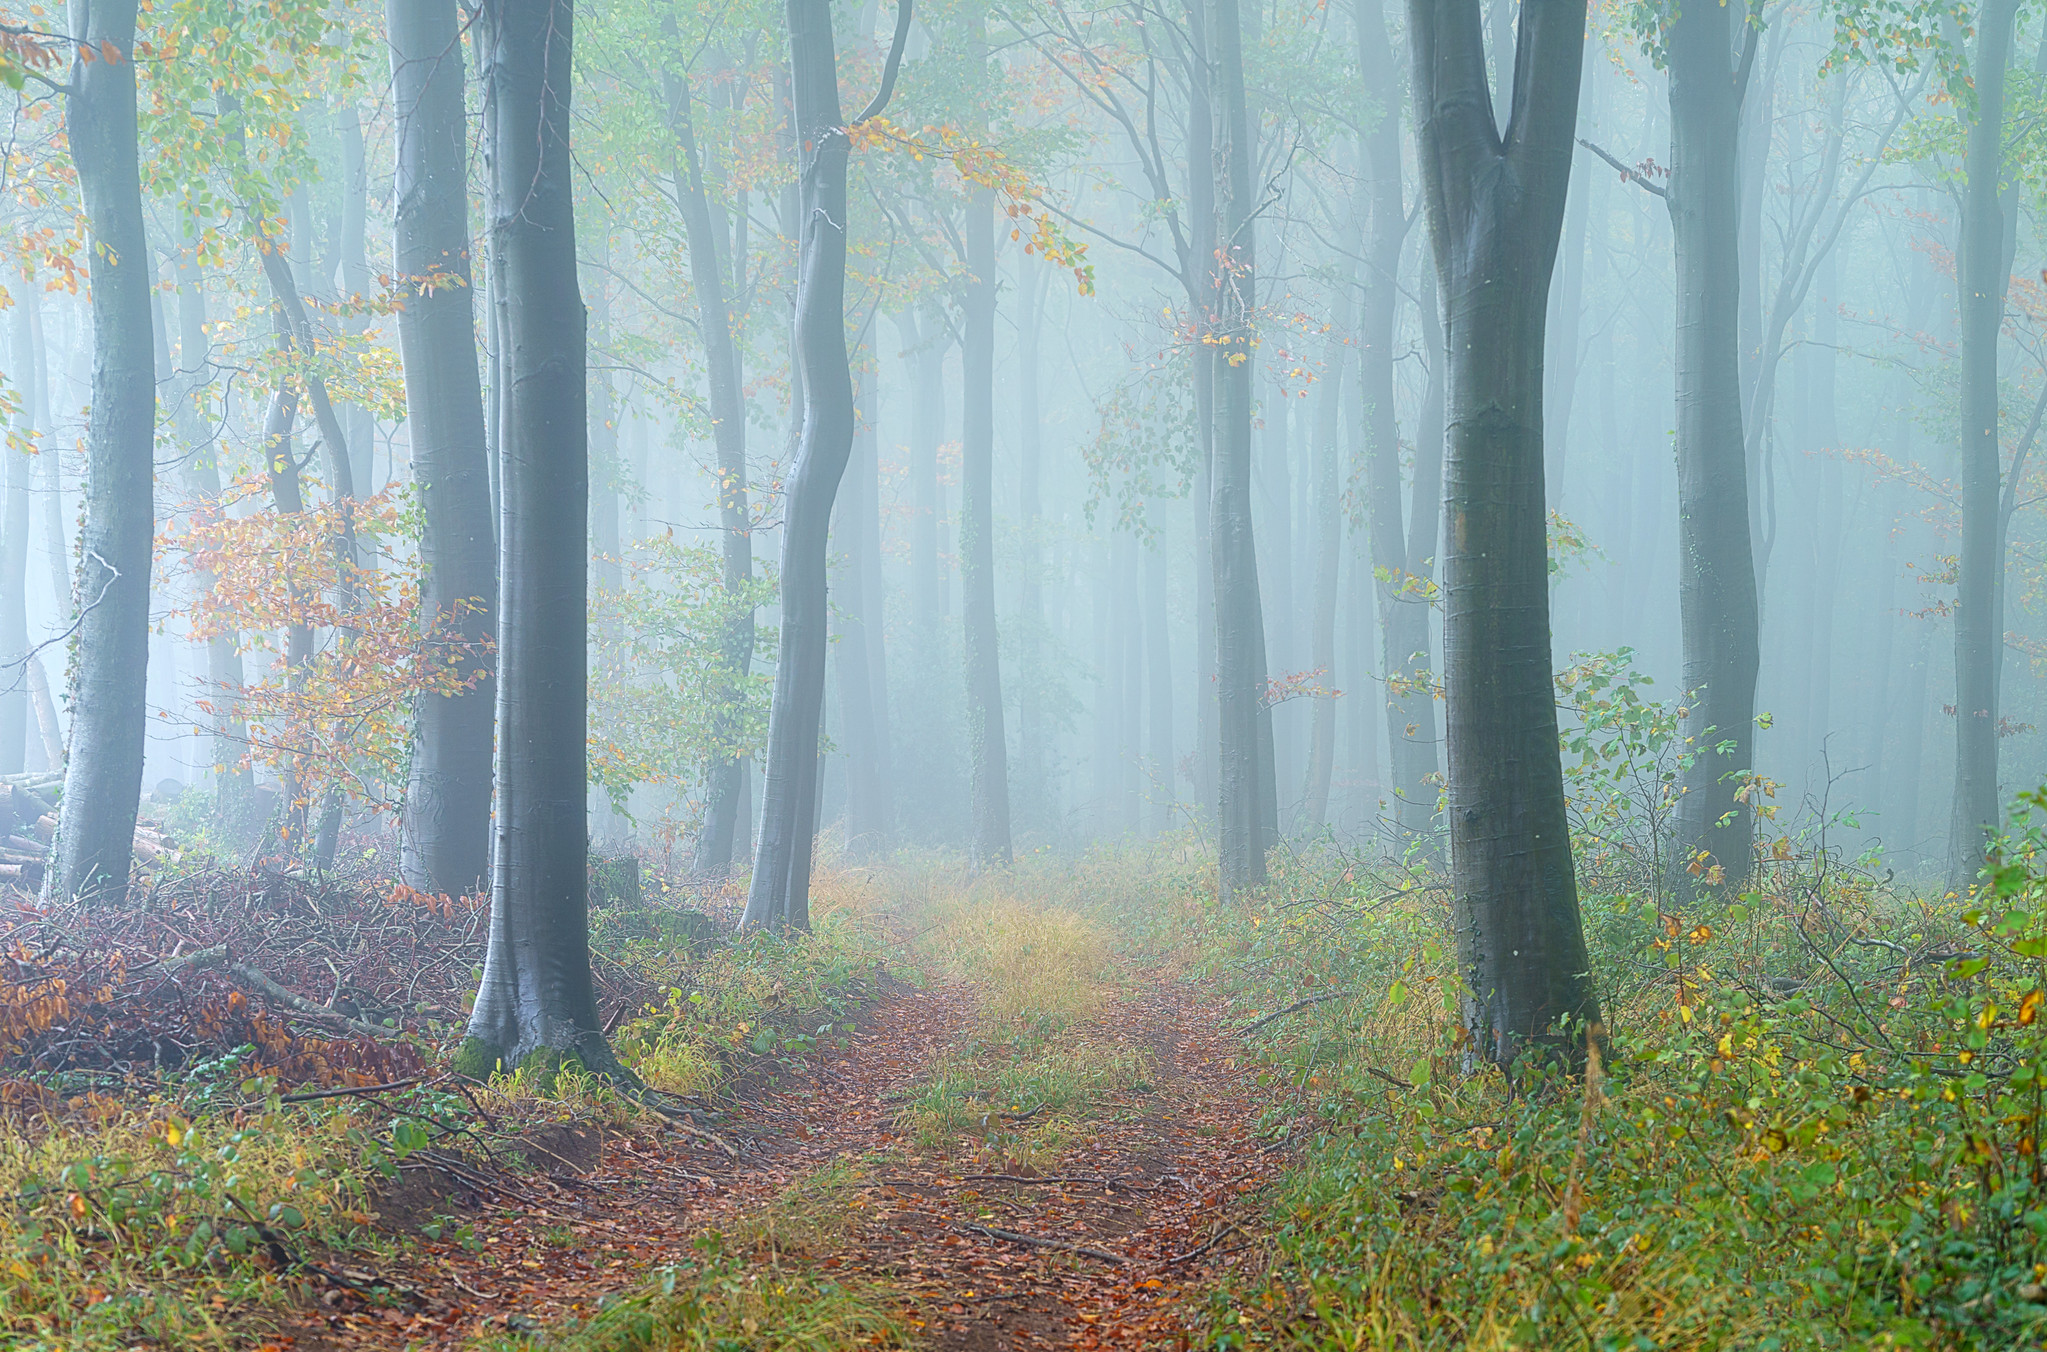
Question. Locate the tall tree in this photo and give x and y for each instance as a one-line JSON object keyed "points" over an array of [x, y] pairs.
{"points": [[1716, 565], [1247, 800], [1495, 205], [780, 893], [1982, 275], [103, 779], [987, 748], [448, 798], [537, 998], [715, 277]]}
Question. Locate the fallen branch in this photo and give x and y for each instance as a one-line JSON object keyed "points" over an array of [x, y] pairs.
{"points": [[1213, 1240], [272, 990], [1294, 1008], [1035, 1242], [359, 1090], [1106, 1183]]}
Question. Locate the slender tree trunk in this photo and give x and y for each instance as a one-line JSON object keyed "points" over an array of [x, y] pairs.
{"points": [[1717, 571], [1159, 695], [780, 895], [857, 630], [1326, 501], [1494, 210], [1030, 608], [1982, 275], [987, 749], [710, 281], [537, 998], [448, 796], [103, 779], [1247, 804]]}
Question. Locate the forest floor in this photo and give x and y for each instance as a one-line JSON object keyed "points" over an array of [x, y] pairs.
{"points": [[1099, 1231]]}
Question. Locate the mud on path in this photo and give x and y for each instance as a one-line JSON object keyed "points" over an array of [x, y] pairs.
{"points": [[1151, 1202]]}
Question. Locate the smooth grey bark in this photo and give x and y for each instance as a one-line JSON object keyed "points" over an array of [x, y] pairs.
{"points": [[1495, 207], [1247, 810], [987, 745], [448, 796], [103, 778], [780, 894], [536, 998], [715, 277], [927, 423], [1717, 569], [1982, 275]]}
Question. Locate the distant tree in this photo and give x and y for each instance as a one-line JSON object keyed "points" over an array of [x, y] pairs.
{"points": [[780, 893], [536, 997], [103, 778], [1495, 209], [448, 798]]}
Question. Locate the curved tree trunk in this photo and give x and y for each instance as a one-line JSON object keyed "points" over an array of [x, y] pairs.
{"points": [[780, 894], [103, 779], [536, 997], [448, 800], [1494, 210]]}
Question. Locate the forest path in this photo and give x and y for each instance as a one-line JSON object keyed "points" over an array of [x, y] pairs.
{"points": [[1153, 1181]]}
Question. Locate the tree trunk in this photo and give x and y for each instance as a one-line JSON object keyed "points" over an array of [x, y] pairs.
{"points": [[1404, 575], [1159, 695], [725, 376], [780, 894], [1326, 503], [103, 779], [1717, 572], [1494, 211], [448, 796], [537, 999], [1030, 607], [861, 714], [987, 749], [1982, 275], [1247, 804]]}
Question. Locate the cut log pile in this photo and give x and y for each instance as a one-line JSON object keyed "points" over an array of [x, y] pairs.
{"points": [[28, 823]]}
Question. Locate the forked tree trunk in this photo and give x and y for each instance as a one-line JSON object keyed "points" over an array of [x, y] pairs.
{"points": [[448, 797], [780, 894], [1717, 570], [987, 750], [537, 999], [1494, 210], [1247, 799], [103, 779], [1982, 274], [728, 417]]}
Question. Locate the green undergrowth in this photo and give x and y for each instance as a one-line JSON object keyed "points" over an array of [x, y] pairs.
{"points": [[732, 1304], [1816, 1125]]}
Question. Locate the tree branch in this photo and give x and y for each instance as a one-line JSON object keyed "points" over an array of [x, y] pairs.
{"points": [[1635, 176]]}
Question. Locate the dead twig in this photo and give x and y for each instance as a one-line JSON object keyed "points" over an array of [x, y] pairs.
{"points": [[1039, 1242], [1213, 1240], [1294, 1008], [357, 1090]]}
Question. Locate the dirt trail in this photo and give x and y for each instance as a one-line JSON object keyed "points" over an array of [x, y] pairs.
{"points": [[1154, 1185]]}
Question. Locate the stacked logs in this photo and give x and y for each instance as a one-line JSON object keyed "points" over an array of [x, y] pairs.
{"points": [[28, 823]]}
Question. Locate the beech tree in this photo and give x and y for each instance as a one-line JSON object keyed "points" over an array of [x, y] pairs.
{"points": [[103, 777], [1495, 204], [779, 897], [536, 997], [448, 799]]}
